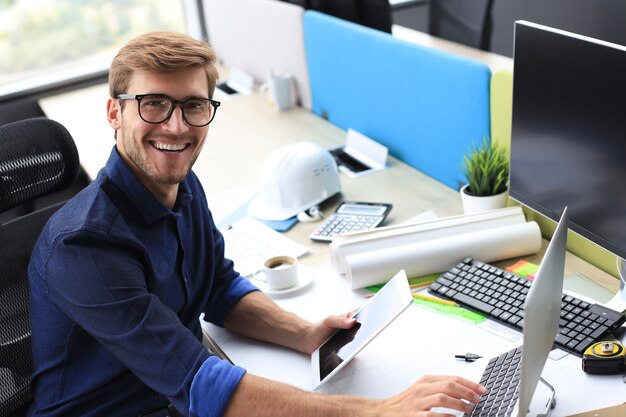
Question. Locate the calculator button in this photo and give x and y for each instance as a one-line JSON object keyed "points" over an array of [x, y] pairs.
{"points": [[338, 224]]}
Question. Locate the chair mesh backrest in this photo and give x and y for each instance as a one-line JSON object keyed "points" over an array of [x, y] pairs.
{"points": [[37, 157], [16, 366]]}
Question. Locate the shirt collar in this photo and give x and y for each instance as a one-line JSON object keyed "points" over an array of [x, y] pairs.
{"points": [[146, 203]]}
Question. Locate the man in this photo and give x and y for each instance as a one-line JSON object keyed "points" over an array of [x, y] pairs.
{"points": [[121, 273]]}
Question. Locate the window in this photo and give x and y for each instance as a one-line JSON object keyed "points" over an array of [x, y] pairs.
{"points": [[46, 42]]}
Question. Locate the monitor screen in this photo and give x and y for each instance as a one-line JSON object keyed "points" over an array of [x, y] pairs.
{"points": [[372, 13], [568, 137]]}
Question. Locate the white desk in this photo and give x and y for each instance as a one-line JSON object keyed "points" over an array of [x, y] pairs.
{"points": [[419, 342]]}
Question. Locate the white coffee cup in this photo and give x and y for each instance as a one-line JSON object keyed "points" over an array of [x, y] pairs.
{"points": [[278, 272], [280, 90]]}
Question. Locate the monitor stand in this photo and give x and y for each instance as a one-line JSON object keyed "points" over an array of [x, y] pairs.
{"points": [[544, 400]]}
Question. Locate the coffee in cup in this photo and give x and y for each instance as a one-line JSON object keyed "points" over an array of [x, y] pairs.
{"points": [[278, 272]]}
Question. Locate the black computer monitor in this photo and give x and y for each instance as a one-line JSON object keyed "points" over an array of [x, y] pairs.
{"points": [[568, 138], [373, 13]]}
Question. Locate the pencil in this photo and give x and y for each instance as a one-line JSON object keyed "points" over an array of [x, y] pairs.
{"points": [[434, 299], [421, 284]]}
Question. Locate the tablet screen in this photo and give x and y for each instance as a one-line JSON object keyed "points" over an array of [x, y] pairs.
{"points": [[371, 319]]}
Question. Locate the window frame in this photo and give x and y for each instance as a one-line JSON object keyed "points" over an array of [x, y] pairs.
{"points": [[93, 73]]}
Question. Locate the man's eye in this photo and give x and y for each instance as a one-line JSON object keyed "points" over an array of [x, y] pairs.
{"points": [[155, 103], [196, 105]]}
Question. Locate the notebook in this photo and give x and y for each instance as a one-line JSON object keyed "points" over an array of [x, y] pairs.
{"points": [[541, 324]]}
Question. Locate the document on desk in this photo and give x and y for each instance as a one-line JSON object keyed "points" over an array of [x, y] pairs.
{"points": [[248, 243], [229, 206]]}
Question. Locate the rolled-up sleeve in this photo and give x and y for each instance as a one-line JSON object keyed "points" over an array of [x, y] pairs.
{"points": [[224, 299], [229, 286], [213, 386]]}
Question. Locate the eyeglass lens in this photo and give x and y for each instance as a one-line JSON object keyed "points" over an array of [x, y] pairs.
{"points": [[157, 109]]}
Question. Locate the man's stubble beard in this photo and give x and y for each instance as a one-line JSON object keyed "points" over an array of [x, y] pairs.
{"points": [[145, 166]]}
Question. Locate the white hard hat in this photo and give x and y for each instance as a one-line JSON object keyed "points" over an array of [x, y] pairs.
{"points": [[294, 178]]}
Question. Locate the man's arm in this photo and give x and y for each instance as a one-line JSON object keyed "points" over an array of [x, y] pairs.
{"points": [[265, 398], [262, 397], [258, 317]]}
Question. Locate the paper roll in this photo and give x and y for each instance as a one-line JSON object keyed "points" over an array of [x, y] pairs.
{"points": [[438, 255], [394, 236]]}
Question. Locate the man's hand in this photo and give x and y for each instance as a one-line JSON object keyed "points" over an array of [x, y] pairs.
{"points": [[429, 392], [322, 330], [258, 317]]}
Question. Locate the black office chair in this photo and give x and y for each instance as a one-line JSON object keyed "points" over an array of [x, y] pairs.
{"points": [[464, 21], [37, 157]]}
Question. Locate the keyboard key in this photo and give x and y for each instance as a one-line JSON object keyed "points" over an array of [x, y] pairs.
{"points": [[474, 303], [580, 347]]}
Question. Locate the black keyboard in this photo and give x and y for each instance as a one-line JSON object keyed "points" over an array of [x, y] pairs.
{"points": [[501, 378], [500, 295]]}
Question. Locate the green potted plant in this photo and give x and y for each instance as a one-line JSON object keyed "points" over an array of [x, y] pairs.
{"points": [[486, 168]]}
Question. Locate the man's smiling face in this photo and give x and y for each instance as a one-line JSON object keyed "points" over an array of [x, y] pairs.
{"points": [[161, 155]]}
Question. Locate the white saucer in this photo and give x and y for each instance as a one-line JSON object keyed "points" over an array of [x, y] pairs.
{"points": [[305, 277]]}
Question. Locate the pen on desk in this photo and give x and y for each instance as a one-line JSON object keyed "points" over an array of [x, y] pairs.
{"points": [[468, 357], [421, 284], [434, 299]]}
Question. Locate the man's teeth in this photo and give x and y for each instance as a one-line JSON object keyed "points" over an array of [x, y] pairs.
{"points": [[169, 146]]}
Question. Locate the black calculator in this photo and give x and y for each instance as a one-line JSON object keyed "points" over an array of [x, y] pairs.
{"points": [[351, 216]]}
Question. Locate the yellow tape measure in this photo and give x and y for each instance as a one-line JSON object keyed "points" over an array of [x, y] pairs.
{"points": [[604, 358]]}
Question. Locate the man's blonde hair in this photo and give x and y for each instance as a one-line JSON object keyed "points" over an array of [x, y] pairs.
{"points": [[161, 52]]}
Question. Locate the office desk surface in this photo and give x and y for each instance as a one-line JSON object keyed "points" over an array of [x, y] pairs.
{"points": [[419, 342]]}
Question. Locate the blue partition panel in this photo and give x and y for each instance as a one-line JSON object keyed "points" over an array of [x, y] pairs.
{"points": [[426, 105]]}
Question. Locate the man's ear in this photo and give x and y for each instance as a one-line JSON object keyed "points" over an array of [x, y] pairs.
{"points": [[114, 113]]}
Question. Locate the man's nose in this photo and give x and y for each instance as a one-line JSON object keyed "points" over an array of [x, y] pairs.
{"points": [[176, 122]]}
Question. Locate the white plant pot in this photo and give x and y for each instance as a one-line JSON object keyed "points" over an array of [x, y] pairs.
{"points": [[476, 204]]}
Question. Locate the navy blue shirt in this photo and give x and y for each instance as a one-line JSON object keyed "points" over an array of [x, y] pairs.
{"points": [[118, 282]]}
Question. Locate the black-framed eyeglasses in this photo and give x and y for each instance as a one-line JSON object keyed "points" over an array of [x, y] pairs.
{"points": [[158, 108]]}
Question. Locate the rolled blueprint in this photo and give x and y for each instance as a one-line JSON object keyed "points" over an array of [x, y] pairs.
{"points": [[393, 236], [438, 255]]}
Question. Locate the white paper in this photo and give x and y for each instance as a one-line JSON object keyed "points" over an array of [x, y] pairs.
{"points": [[437, 255], [395, 236], [229, 206], [248, 243]]}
